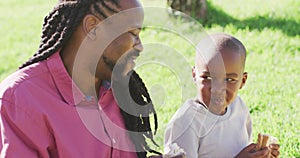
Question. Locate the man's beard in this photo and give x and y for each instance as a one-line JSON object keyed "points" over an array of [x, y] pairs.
{"points": [[111, 64], [122, 62]]}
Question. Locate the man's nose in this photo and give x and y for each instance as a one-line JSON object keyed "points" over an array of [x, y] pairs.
{"points": [[138, 44]]}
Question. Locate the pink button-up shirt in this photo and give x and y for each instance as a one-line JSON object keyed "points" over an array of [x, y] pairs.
{"points": [[45, 115]]}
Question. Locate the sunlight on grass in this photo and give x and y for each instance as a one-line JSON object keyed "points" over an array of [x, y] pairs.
{"points": [[20, 29]]}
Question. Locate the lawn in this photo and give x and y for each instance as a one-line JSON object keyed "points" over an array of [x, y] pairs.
{"points": [[270, 30]]}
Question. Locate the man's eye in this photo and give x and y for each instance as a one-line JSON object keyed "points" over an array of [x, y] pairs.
{"points": [[132, 33]]}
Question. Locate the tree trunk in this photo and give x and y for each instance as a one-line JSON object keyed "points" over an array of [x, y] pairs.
{"points": [[194, 8]]}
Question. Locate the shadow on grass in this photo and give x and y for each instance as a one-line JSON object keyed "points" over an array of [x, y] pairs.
{"points": [[215, 15]]}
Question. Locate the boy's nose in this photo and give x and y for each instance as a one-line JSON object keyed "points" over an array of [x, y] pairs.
{"points": [[218, 87]]}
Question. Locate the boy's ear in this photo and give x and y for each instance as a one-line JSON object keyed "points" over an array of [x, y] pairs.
{"points": [[244, 79], [89, 25], [194, 74]]}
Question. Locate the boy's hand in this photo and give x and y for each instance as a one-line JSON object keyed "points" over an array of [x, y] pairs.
{"points": [[249, 152], [274, 150]]}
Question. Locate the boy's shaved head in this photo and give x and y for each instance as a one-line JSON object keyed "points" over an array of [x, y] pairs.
{"points": [[219, 71], [217, 43]]}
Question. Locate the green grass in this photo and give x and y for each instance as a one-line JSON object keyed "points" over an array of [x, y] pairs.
{"points": [[20, 29], [269, 30]]}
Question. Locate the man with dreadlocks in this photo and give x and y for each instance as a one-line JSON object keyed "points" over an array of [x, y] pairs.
{"points": [[78, 97]]}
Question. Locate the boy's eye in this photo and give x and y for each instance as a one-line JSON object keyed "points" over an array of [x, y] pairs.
{"points": [[230, 80], [206, 77]]}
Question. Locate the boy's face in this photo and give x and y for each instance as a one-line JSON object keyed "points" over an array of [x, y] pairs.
{"points": [[218, 84]]}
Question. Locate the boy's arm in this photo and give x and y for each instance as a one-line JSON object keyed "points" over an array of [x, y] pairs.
{"points": [[185, 138]]}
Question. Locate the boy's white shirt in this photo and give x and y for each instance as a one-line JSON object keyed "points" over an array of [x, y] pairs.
{"points": [[203, 134]]}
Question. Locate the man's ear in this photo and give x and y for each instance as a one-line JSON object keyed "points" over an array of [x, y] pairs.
{"points": [[90, 23], [194, 74], [244, 79]]}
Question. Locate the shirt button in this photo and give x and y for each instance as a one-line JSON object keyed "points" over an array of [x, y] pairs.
{"points": [[89, 98], [114, 141]]}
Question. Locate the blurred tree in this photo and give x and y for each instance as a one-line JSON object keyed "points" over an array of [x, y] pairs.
{"points": [[194, 8]]}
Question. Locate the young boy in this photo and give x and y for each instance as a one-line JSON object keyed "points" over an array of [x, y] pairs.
{"points": [[216, 124]]}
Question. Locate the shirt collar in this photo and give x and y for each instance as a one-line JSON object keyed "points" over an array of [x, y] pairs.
{"points": [[106, 84], [64, 83]]}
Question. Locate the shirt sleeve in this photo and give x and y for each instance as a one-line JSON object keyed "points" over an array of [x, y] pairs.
{"points": [[21, 136], [249, 127], [185, 138]]}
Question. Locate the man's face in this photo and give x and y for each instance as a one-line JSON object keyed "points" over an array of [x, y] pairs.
{"points": [[127, 46], [218, 84]]}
